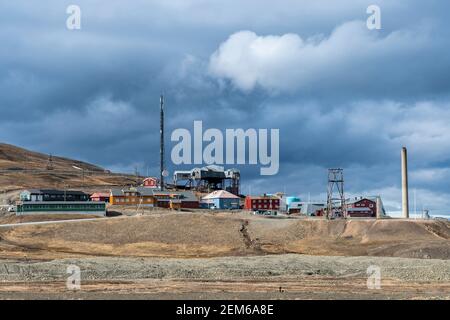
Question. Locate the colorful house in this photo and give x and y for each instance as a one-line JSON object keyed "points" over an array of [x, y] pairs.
{"points": [[132, 196], [175, 199], [100, 196], [154, 198], [220, 199], [262, 203], [151, 182], [362, 207]]}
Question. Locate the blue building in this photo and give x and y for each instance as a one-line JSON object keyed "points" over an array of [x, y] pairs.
{"points": [[293, 205], [220, 199]]}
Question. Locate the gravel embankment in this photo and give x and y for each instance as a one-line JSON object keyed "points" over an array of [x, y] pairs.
{"points": [[289, 266]]}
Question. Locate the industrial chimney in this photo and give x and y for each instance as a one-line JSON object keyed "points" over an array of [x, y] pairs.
{"points": [[379, 211], [161, 146], [405, 200]]}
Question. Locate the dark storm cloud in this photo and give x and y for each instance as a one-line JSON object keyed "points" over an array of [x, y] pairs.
{"points": [[352, 99]]}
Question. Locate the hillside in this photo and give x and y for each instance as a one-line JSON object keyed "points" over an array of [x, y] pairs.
{"points": [[14, 158], [21, 168], [190, 235]]}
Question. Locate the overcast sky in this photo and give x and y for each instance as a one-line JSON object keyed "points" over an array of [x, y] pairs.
{"points": [[342, 95]]}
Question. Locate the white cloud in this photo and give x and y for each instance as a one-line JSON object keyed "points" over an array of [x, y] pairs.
{"points": [[430, 175], [288, 62]]}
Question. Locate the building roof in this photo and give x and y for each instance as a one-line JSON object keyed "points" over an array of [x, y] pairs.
{"points": [[264, 197], [53, 191], [142, 191], [100, 195], [115, 192], [220, 194], [184, 195], [353, 200]]}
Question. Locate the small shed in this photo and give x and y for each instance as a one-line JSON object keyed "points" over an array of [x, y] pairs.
{"points": [[221, 199]]}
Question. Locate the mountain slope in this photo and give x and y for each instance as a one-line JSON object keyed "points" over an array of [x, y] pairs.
{"points": [[15, 158], [21, 168]]}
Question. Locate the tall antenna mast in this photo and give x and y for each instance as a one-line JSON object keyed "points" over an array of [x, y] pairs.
{"points": [[161, 146]]}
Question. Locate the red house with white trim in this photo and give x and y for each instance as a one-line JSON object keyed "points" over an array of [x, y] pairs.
{"points": [[262, 203], [100, 196], [362, 207], [151, 182]]}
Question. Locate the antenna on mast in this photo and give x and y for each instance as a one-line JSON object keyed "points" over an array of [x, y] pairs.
{"points": [[161, 147]]}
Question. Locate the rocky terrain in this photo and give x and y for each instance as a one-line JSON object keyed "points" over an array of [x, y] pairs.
{"points": [[287, 276]]}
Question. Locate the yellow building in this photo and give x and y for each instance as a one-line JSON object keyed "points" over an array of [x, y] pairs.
{"points": [[132, 196]]}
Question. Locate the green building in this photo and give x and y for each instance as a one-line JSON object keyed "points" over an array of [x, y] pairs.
{"points": [[61, 207]]}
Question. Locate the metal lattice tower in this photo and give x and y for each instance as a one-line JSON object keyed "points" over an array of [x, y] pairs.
{"points": [[336, 206]]}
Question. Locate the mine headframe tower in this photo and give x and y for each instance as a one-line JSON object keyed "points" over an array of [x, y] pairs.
{"points": [[336, 206], [209, 178]]}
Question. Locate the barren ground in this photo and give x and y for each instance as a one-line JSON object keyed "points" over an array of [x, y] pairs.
{"points": [[192, 235], [185, 255], [262, 277]]}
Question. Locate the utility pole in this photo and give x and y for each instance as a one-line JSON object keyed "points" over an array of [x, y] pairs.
{"points": [[161, 146], [336, 181], [136, 174]]}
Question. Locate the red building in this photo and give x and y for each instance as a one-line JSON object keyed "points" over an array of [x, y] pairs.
{"points": [[151, 182], [176, 199], [100, 196], [362, 207], [262, 203]]}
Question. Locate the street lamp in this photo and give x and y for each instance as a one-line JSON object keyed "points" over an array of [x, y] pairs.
{"points": [[82, 169]]}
